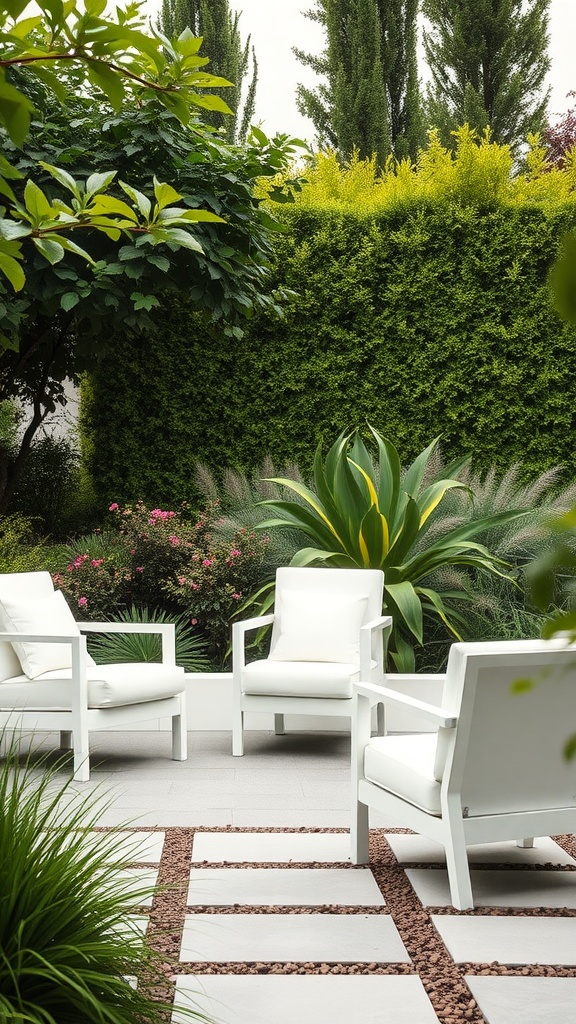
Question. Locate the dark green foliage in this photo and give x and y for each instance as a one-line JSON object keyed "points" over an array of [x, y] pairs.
{"points": [[55, 490], [489, 61], [370, 100], [229, 57], [67, 945], [435, 320]]}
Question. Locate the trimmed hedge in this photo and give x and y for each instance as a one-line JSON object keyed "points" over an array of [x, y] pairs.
{"points": [[429, 319]]}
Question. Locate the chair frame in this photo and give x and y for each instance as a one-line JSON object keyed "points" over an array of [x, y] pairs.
{"points": [[452, 828], [340, 707], [77, 722]]}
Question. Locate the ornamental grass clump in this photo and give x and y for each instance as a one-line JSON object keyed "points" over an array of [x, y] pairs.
{"points": [[67, 945], [366, 512]]}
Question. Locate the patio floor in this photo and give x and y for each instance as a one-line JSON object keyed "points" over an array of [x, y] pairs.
{"points": [[276, 924]]}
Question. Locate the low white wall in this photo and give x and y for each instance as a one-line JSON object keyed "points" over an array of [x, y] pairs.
{"points": [[209, 707]]}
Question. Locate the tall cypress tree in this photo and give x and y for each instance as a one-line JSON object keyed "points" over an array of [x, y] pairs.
{"points": [[488, 61], [370, 97], [229, 57]]}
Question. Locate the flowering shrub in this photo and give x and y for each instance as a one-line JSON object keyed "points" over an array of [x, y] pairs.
{"points": [[94, 586], [214, 580], [163, 559]]}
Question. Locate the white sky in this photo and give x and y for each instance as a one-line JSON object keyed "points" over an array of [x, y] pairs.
{"points": [[277, 25]]}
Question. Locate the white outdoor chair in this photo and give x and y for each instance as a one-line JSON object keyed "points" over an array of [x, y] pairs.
{"points": [[48, 682], [327, 632], [492, 770]]}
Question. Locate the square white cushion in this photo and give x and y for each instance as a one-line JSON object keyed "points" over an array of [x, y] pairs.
{"points": [[48, 616], [309, 629]]}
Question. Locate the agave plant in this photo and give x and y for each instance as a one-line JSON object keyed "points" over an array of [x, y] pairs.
{"points": [[371, 514]]}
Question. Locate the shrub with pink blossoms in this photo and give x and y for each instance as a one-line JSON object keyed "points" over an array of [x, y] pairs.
{"points": [[168, 560]]}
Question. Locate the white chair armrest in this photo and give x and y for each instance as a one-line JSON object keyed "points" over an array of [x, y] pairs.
{"points": [[381, 694], [382, 622], [255, 623], [367, 649], [165, 630], [37, 638], [239, 630]]}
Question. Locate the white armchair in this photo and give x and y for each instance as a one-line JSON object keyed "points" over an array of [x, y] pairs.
{"points": [[48, 682], [491, 770], [327, 632]]}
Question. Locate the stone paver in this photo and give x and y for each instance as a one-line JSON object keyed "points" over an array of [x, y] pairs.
{"points": [[321, 938], [421, 850], [505, 1000], [308, 999], [295, 887], [271, 847], [551, 889], [508, 940]]}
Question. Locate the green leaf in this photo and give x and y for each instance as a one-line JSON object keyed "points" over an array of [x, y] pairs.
{"points": [[177, 236], [13, 271], [69, 300], [52, 251], [98, 182], [36, 201], [63, 177], [165, 194], [141, 201], [403, 599], [105, 204], [15, 112], [109, 81]]}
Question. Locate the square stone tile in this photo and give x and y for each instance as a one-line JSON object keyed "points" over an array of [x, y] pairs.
{"points": [[306, 998], [421, 850], [509, 940], [296, 887], [140, 884], [271, 847], [529, 1000], [499, 888], [324, 938]]}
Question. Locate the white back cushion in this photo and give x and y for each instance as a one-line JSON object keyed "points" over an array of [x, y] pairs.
{"points": [[312, 626], [20, 584], [47, 615]]}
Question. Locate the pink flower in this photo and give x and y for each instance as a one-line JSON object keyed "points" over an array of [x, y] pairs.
{"points": [[113, 506], [96, 562], [82, 601], [235, 552], [207, 561], [236, 596], [139, 568], [194, 622], [194, 586], [173, 539], [181, 580]]}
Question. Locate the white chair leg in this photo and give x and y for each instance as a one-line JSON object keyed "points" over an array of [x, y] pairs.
{"points": [[81, 764], [359, 834], [380, 720], [458, 868], [279, 725], [179, 737], [237, 731], [65, 739], [525, 844]]}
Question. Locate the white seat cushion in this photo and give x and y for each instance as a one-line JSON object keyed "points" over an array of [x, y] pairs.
{"points": [[300, 678], [108, 686], [404, 765]]}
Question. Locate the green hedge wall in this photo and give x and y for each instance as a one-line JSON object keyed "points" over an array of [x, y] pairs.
{"points": [[431, 320]]}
